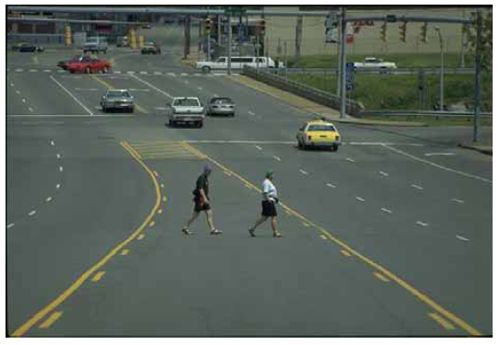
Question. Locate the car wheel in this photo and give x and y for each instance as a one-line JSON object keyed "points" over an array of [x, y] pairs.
{"points": [[335, 147], [87, 70], [300, 145], [105, 69], [104, 109], [205, 69], [200, 124], [131, 109], [232, 114]]}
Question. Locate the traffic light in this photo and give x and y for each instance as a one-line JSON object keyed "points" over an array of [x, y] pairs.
{"points": [[423, 33], [383, 32], [402, 32], [260, 27], [208, 25]]}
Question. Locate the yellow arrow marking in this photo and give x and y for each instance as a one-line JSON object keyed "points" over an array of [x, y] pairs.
{"points": [[51, 319], [141, 236], [445, 324], [381, 276], [98, 276]]}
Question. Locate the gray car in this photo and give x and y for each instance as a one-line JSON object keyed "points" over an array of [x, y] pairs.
{"points": [[221, 106], [117, 99]]}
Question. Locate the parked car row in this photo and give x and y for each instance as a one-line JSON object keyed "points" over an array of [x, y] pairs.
{"points": [[24, 47]]}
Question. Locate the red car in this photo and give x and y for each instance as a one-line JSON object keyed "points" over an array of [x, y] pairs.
{"points": [[88, 65]]}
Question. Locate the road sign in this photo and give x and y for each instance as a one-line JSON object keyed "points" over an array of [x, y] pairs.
{"points": [[349, 76], [331, 35], [234, 11]]}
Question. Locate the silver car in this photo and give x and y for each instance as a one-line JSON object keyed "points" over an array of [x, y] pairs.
{"points": [[117, 99], [221, 106]]}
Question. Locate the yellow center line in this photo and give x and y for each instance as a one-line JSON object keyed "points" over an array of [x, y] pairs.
{"points": [[141, 236], [25, 327], [109, 86], [124, 252], [345, 252], [51, 319], [391, 276]]}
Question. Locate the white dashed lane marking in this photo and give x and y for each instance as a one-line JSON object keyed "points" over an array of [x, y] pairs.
{"points": [[439, 154], [458, 201], [17, 91], [10, 225], [258, 147], [251, 113], [58, 186], [52, 143], [461, 238], [422, 223], [303, 172], [386, 210], [48, 199], [331, 185], [31, 213], [350, 160], [24, 100], [60, 168], [360, 198], [30, 109], [277, 158], [58, 156], [383, 173], [417, 187]]}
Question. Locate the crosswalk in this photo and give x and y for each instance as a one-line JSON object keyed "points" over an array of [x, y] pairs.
{"points": [[160, 150], [153, 73]]}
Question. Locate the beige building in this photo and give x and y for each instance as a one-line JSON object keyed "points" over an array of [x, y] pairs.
{"points": [[282, 29]]}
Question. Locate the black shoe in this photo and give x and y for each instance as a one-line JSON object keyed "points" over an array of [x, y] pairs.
{"points": [[186, 231], [215, 232], [252, 232]]}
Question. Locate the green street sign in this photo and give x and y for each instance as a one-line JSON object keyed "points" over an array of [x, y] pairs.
{"points": [[234, 11]]}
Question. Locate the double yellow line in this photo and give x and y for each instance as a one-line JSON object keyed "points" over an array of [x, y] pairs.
{"points": [[347, 249], [77, 283], [109, 86]]}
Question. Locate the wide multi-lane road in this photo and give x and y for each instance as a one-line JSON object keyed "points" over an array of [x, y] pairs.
{"points": [[389, 236]]}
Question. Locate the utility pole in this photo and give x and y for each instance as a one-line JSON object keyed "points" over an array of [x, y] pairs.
{"points": [[339, 56], [298, 37], [441, 77], [342, 65], [187, 35], [219, 34], [229, 39], [477, 97]]}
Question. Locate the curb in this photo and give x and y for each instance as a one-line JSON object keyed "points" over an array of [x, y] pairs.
{"points": [[271, 90], [488, 150]]}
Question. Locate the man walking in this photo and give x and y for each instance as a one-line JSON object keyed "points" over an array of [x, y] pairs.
{"points": [[202, 203], [270, 199]]}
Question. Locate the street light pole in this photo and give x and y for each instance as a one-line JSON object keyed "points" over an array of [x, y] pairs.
{"points": [[441, 82]]}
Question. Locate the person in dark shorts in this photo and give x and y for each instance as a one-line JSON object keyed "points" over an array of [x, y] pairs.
{"points": [[270, 199], [202, 203]]}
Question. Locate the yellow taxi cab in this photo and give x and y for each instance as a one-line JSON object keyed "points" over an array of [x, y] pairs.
{"points": [[319, 133]]}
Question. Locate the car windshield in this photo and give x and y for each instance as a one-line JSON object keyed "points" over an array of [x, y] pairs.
{"points": [[221, 101], [186, 102], [117, 93], [321, 128]]}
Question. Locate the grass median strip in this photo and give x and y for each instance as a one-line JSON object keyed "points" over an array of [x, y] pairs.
{"points": [[26, 326], [439, 310]]}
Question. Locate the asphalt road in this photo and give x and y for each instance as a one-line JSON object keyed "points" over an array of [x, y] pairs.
{"points": [[389, 236]]}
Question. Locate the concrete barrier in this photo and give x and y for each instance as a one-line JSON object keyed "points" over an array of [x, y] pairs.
{"points": [[316, 95]]}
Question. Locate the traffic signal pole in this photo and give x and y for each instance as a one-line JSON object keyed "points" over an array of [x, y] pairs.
{"points": [[342, 64], [229, 39], [477, 94]]}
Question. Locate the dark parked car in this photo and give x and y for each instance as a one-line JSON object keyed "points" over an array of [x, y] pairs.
{"points": [[221, 106], [27, 47]]}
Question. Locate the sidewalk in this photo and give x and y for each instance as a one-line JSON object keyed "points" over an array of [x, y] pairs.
{"points": [[315, 108], [480, 147]]}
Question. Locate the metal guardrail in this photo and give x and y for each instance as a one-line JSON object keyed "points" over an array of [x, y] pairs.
{"points": [[412, 70], [423, 113], [316, 95]]}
